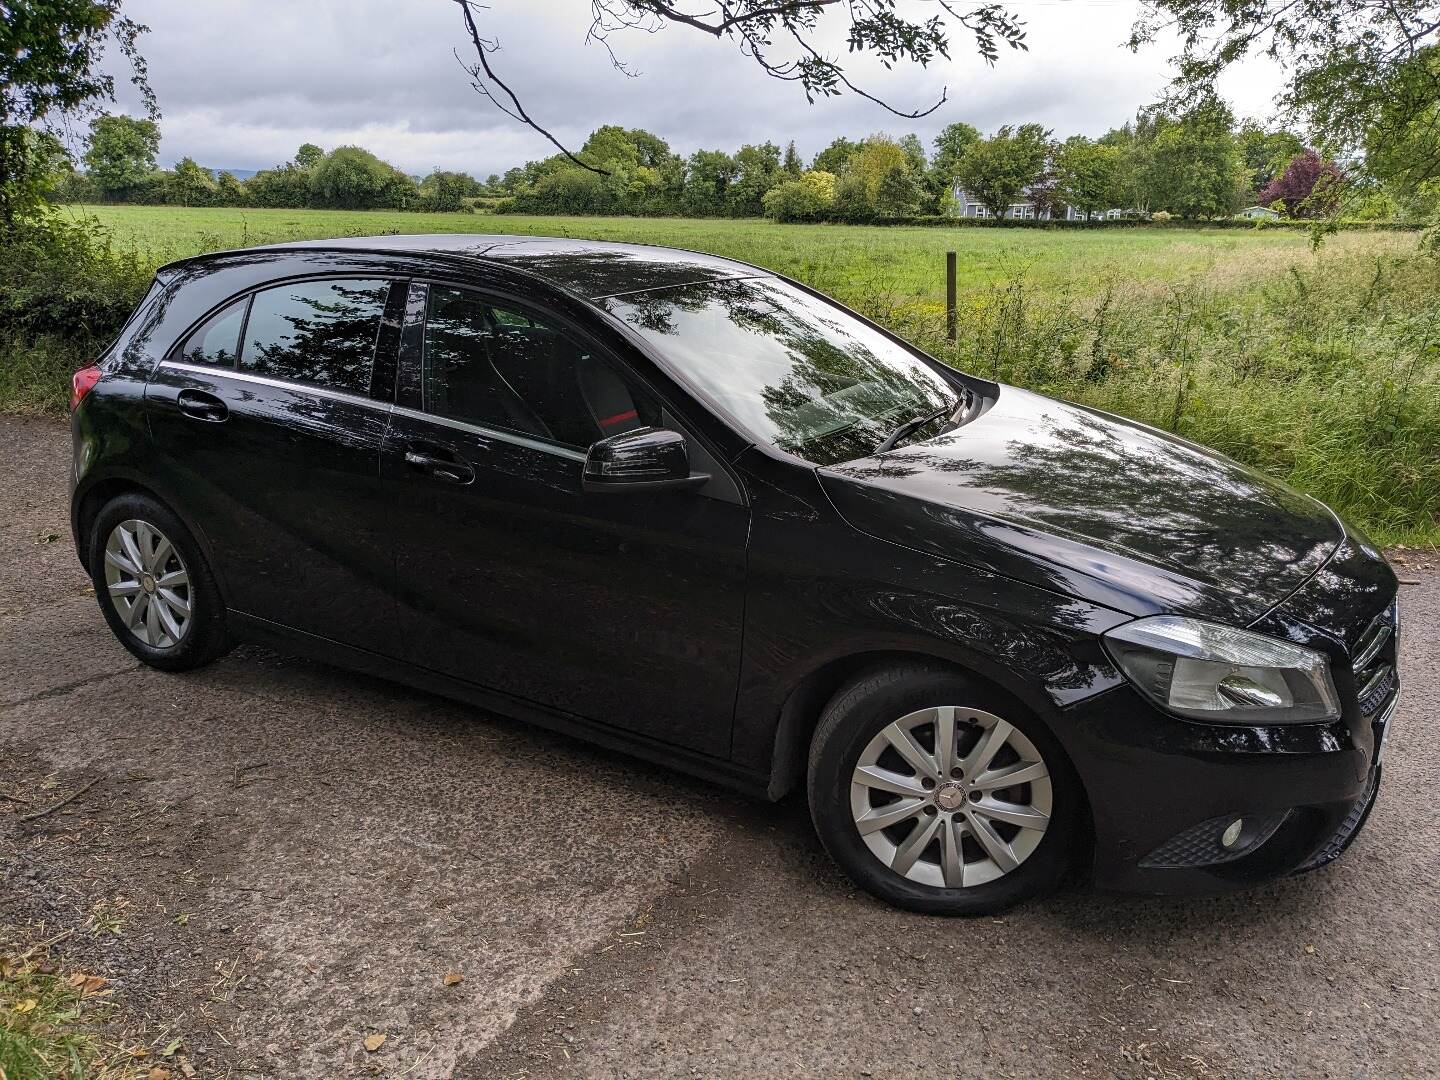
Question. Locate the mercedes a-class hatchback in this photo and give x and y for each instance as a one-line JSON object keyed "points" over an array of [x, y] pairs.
{"points": [[690, 509]]}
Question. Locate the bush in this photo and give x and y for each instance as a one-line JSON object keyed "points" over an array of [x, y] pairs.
{"points": [[65, 291], [809, 198], [350, 178], [67, 279]]}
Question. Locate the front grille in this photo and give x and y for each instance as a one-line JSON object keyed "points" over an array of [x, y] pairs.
{"points": [[1376, 691], [1373, 661]]}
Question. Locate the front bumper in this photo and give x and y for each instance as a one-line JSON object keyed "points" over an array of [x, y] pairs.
{"points": [[1163, 789]]}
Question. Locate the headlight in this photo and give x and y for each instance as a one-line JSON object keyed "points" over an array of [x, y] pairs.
{"points": [[1212, 672]]}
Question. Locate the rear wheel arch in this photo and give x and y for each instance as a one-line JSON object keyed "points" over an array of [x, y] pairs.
{"points": [[103, 492]]}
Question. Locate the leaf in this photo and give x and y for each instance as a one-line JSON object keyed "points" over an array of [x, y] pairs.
{"points": [[1309, 949], [373, 1043], [453, 978], [87, 984], [26, 1006], [159, 1072], [175, 1044]]}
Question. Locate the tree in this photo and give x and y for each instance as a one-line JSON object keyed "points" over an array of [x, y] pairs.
{"points": [[758, 169], [875, 27], [229, 190], [708, 176], [121, 153], [1266, 153], [446, 191], [996, 170], [1044, 192], [190, 185], [52, 70], [835, 157], [1194, 169], [308, 156], [1360, 72], [950, 146], [1402, 144], [1309, 187], [1088, 174], [791, 164], [352, 178]]}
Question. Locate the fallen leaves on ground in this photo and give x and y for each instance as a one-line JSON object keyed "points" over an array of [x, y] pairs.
{"points": [[373, 1043], [453, 978]]}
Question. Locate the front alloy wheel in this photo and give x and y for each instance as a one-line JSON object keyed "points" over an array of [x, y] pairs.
{"points": [[148, 583], [951, 797], [940, 793]]}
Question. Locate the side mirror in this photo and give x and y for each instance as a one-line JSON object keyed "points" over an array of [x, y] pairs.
{"points": [[650, 459]]}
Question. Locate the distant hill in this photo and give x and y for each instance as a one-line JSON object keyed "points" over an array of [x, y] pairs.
{"points": [[239, 174]]}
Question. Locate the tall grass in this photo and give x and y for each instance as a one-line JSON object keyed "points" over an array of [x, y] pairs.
{"points": [[1327, 376], [1321, 368]]}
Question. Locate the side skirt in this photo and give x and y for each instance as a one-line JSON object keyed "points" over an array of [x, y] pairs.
{"points": [[297, 642]]}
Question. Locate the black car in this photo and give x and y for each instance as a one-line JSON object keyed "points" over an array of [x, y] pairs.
{"points": [[693, 510]]}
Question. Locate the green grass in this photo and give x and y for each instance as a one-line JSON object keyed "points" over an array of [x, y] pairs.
{"points": [[904, 263], [49, 1019], [1319, 367]]}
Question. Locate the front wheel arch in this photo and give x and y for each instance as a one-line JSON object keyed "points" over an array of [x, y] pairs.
{"points": [[800, 715]]}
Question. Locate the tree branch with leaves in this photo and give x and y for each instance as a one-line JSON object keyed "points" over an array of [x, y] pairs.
{"points": [[782, 37]]}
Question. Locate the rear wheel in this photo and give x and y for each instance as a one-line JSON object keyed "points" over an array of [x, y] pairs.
{"points": [[154, 585], [938, 794]]}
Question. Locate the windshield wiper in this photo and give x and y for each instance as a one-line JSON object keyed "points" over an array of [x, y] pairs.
{"points": [[909, 427]]}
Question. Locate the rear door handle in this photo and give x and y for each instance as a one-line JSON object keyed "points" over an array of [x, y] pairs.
{"points": [[439, 463], [201, 406]]}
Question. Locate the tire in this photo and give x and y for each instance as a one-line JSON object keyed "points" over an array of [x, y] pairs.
{"points": [[952, 872], [166, 549]]}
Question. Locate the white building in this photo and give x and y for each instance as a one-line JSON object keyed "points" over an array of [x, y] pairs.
{"points": [[1254, 212], [965, 206]]}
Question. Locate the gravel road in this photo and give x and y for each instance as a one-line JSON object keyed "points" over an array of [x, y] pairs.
{"points": [[279, 860]]}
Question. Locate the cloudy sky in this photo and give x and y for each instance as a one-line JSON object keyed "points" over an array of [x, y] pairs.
{"points": [[242, 83]]}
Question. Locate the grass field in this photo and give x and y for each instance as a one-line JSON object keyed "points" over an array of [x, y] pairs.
{"points": [[1321, 367], [906, 263]]}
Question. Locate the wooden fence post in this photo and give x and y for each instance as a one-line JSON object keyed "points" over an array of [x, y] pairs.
{"points": [[950, 295]]}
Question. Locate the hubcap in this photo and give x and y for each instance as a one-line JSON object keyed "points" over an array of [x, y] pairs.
{"points": [[951, 797], [148, 584]]}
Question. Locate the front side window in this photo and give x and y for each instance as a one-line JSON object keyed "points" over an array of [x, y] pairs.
{"points": [[216, 341], [487, 364], [791, 368], [319, 332]]}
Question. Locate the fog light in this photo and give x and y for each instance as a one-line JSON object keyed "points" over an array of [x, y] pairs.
{"points": [[1231, 836]]}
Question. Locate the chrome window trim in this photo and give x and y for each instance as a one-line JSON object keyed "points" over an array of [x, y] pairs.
{"points": [[279, 384], [499, 434]]}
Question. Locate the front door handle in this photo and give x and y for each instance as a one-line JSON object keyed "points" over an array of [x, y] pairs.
{"points": [[199, 405], [441, 464]]}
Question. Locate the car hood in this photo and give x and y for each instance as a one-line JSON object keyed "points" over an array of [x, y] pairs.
{"points": [[1093, 506]]}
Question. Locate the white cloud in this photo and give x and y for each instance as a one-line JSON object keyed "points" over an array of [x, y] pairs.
{"points": [[242, 84]]}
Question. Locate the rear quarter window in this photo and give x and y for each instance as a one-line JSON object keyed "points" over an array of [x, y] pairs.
{"points": [[216, 342], [317, 332]]}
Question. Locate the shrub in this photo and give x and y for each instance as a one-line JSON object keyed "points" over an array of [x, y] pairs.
{"points": [[67, 279], [809, 198]]}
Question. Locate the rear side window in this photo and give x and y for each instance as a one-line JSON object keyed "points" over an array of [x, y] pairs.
{"points": [[318, 332], [217, 340]]}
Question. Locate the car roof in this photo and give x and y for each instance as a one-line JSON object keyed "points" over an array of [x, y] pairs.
{"points": [[590, 269]]}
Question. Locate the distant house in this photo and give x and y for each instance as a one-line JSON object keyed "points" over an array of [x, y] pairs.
{"points": [[965, 206], [1256, 212]]}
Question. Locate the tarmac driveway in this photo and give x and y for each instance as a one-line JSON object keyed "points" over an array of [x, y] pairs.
{"points": [[277, 860]]}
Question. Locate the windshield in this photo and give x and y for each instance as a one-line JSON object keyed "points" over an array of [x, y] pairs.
{"points": [[791, 368]]}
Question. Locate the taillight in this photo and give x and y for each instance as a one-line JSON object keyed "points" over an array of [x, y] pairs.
{"points": [[82, 382]]}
